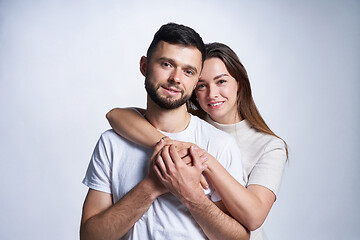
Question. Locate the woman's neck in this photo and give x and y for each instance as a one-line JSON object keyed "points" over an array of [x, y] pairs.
{"points": [[227, 119]]}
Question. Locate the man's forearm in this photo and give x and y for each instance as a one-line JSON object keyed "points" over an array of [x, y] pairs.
{"points": [[214, 222], [118, 219]]}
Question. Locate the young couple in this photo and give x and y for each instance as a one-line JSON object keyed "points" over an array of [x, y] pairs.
{"points": [[192, 184]]}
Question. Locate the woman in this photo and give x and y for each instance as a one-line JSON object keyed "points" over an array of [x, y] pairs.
{"points": [[223, 98]]}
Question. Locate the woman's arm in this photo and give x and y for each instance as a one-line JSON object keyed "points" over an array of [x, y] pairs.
{"points": [[131, 125], [250, 205]]}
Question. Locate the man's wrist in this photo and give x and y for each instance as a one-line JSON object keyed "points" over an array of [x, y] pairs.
{"points": [[196, 202], [150, 188]]}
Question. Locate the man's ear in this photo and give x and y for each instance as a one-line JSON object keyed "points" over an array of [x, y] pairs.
{"points": [[143, 64]]}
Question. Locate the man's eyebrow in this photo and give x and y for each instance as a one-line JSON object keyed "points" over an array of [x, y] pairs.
{"points": [[166, 59]]}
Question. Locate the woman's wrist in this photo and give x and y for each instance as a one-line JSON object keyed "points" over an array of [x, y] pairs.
{"points": [[211, 164]]}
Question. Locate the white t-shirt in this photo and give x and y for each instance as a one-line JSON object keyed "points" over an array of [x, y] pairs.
{"points": [[118, 165], [263, 157]]}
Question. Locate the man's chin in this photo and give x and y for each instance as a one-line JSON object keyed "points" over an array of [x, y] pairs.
{"points": [[169, 105]]}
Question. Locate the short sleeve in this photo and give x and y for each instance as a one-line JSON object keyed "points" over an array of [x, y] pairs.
{"points": [[230, 158], [99, 171], [269, 169]]}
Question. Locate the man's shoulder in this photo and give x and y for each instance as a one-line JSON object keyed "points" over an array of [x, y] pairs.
{"points": [[111, 139], [110, 135]]}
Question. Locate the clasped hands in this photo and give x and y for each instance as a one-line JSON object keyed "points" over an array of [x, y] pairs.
{"points": [[177, 167]]}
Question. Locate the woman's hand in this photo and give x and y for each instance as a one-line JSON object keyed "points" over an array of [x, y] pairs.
{"points": [[181, 179], [183, 149]]}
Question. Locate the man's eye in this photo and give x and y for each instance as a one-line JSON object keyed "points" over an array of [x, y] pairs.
{"points": [[189, 72], [166, 64]]}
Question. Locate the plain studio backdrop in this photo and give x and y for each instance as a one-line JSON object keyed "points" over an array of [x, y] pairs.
{"points": [[64, 64]]}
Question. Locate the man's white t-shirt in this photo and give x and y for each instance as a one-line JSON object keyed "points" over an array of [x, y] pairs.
{"points": [[118, 165]]}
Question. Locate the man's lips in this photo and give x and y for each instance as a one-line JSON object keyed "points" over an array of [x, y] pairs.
{"points": [[171, 90]]}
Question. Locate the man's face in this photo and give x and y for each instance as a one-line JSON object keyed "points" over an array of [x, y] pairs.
{"points": [[171, 74]]}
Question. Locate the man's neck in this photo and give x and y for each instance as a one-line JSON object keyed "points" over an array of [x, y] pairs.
{"points": [[171, 121]]}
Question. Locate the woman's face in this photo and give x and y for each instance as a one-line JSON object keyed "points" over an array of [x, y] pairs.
{"points": [[216, 92]]}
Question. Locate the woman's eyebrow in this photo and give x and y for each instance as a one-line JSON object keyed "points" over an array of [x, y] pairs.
{"points": [[220, 76]]}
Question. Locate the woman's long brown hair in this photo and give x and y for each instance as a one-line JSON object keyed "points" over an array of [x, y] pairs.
{"points": [[246, 105]]}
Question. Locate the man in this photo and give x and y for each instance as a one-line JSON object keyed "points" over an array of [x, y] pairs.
{"points": [[126, 199]]}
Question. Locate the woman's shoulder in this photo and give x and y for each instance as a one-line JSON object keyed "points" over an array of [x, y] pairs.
{"points": [[262, 139]]}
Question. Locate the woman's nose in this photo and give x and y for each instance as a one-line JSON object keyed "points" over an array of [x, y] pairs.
{"points": [[213, 92]]}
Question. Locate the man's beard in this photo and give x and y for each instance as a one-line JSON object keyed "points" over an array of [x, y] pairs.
{"points": [[166, 103]]}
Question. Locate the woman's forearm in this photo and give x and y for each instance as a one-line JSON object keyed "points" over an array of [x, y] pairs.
{"points": [[131, 125], [249, 206]]}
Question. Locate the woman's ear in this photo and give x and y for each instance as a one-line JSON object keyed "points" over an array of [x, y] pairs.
{"points": [[143, 64]]}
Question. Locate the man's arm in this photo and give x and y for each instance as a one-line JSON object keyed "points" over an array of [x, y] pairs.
{"points": [[184, 182], [215, 223], [101, 219]]}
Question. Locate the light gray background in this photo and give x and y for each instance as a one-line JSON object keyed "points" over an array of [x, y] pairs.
{"points": [[64, 64]]}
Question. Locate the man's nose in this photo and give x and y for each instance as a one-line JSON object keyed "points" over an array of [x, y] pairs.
{"points": [[176, 75]]}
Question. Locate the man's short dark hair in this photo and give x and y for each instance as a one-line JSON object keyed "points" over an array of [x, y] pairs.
{"points": [[177, 34]]}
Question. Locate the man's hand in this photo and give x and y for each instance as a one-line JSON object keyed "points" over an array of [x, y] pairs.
{"points": [[152, 176], [179, 178], [183, 149]]}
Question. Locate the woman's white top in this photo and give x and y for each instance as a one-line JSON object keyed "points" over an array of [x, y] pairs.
{"points": [[263, 158]]}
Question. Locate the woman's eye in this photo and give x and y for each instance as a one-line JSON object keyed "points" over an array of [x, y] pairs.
{"points": [[221, 81], [200, 86]]}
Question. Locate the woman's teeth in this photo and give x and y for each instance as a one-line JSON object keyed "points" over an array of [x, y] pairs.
{"points": [[215, 104]]}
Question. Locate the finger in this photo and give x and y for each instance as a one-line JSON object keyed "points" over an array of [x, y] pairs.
{"points": [[203, 159], [157, 148], [182, 145], [159, 163], [195, 156], [184, 152], [203, 182], [167, 160], [187, 160], [159, 173], [202, 152], [175, 156]]}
